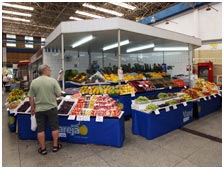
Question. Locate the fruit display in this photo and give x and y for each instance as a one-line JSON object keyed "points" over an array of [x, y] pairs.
{"points": [[16, 94], [166, 95], [65, 107], [111, 90], [158, 75], [24, 107], [97, 105], [97, 77], [14, 104], [80, 78], [69, 74], [127, 77], [141, 99], [179, 82], [142, 86], [157, 83], [206, 87]]}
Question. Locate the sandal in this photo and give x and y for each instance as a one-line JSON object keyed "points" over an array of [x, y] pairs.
{"points": [[55, 149], [42, 152]]}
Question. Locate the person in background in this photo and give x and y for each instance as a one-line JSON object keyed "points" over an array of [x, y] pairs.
{"points": [[42, 95], [5, 80]]}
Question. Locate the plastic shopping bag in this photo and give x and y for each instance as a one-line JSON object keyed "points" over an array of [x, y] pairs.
{"points": [[33, 123]]}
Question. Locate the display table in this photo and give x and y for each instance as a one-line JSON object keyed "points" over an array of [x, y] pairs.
{"points": [[207, 105], [110, 132], [151, 125]]}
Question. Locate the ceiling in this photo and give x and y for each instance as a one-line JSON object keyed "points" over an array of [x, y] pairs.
{"points": [[47, 15]]}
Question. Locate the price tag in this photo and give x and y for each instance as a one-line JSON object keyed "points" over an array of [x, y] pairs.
{"points": [[133, 95], [219, 94], [79, 118], [167, 108], [86, 118], [170, 87], [209, 97], [205, 98], [214, 95], [143, 78], [185, 87], [99, 118], [174, 106], [7, 109], [126, 81], [71, 117], [185, 103], [157, 112]]}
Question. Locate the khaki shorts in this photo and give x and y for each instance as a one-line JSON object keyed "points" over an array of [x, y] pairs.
{"points": [[43, 116]]}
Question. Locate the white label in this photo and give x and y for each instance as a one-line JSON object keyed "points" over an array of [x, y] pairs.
{"points": [[205, 98], [186, 119], [185, 103], [126, 81], [209, 97], [170, 87], [174, 106], [157, 112], [185, 87], [144, 78], [62, 134], [71, 117], [133, 95], [79, 118], [86, 118], [214, 95], [7, 109], [219, 94], [198, 100], [167, 108], [99, 118]]}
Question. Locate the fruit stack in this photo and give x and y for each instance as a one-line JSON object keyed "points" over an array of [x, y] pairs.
{"points": [[101, 105], [111, 90]]}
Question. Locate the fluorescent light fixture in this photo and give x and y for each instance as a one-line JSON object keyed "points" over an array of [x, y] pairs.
{"points": [[140, 48], [75, 18], [82, 41], [102, 9], [88, 14], [124, 5], [15, 19], [16, 13], [122, 43], [17, 6], [171, 49]]}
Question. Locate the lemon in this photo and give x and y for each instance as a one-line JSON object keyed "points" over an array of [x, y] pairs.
{"points": [[11, 120], [83, 130]]}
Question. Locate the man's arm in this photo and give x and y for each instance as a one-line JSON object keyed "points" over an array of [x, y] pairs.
{"points": [[31, 98]]}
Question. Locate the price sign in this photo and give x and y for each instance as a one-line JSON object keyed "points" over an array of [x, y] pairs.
{"points": [[144, 78], [167, 108], [209, 97], [126, 81], [71, 117], [86, 118], [99, 118], [185, 87], [219, 94], [174, 106], [157, 112], [170, 87], [185, 103], [79, 118], [133, 95], [214, 95], [205, 98]]}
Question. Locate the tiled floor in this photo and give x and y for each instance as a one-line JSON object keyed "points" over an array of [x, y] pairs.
{"points": [[177, 148]]}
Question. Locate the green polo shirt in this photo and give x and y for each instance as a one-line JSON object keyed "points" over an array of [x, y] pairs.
{"points": [[44, 89]]}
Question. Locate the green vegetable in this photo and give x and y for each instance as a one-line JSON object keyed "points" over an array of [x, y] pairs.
{"points": [[141, 99], [162, 95], [151, 107]]}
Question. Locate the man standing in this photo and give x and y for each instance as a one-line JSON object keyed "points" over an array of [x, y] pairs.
{"points": [[42, 94]]}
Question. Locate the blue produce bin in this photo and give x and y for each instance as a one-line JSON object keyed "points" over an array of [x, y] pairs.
{"points": [[24, 131], [204, 107], [109, 132], [151, 125]]}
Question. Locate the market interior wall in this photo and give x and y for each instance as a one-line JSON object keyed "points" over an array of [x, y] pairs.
{"points": [[177, 59]]}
